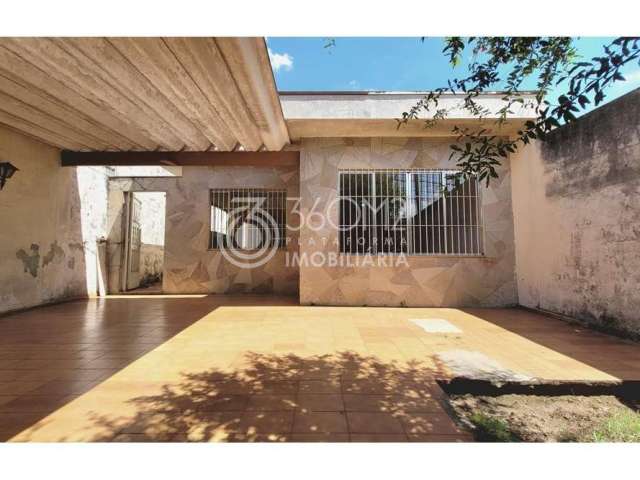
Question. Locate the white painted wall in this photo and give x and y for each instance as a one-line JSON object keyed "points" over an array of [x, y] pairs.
{"points": [[389, 105]]}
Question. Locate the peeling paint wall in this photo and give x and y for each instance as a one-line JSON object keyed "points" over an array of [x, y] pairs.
{"points": [[51, 219], [576, 201]]}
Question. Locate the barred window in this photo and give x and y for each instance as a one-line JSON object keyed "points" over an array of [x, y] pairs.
{"points": [[407, 211], [248, 218]]}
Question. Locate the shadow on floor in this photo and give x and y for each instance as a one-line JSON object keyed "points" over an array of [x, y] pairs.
{"points": [[51, 355], [338, 397]]}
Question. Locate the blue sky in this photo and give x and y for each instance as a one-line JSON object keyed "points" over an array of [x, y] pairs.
{"points": [[386, 63]]}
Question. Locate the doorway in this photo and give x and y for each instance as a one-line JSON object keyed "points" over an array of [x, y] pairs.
{"points": [[144, 232]]}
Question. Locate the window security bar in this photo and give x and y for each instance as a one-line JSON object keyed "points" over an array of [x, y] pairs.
{"points": [[391, 211]]}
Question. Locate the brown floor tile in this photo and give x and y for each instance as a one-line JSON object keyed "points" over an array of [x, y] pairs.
{"points": [[265, 423], [234, 437], [10, 375], [258, 438], [209, 426], [320, 422], [56, 387], [142, 438], [271, 403], [378, 437], [6, 399], [369, 386], [124, 356], [13, 423], [41, 375], [36, 403], [390, 403], [319, 437], [271, 387], [367, 403], [320, 402], [361, 422], [18, 387], [230, 387], [320, 386], [441, 438], [150, 424], [429, 423], [32, 364], [100, 363], [222, 403], [320, 372]]}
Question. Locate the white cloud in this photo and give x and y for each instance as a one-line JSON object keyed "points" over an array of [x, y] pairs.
{"points": [[280, 60], [354, 84], [632, 76]]}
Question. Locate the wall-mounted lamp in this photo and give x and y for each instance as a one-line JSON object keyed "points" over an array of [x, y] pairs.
{"points": [[6, 171]]}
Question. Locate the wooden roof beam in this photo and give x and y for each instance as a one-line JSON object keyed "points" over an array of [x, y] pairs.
{"points": [[183, 159]]}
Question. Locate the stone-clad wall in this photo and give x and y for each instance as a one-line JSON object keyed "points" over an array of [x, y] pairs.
{"points": [[189, 266], [426, 281]]}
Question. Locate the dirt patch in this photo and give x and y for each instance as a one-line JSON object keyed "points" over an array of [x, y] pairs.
{"points": [[533, 418]]}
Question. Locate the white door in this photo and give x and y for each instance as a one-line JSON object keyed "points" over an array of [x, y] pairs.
{"points": [[133, 243]]}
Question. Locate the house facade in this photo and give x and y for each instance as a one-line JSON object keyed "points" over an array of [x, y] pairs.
{"points": [[321, 196], [455, 250]]}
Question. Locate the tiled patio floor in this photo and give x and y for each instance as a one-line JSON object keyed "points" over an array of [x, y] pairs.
{"points": [[262, 368]]}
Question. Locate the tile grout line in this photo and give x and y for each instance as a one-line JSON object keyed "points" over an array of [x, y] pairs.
{"points": [[295, 409], [344, 408]]}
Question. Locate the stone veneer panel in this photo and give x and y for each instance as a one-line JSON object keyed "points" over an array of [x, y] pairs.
{"points": [[427, 280], [190, 267]]}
